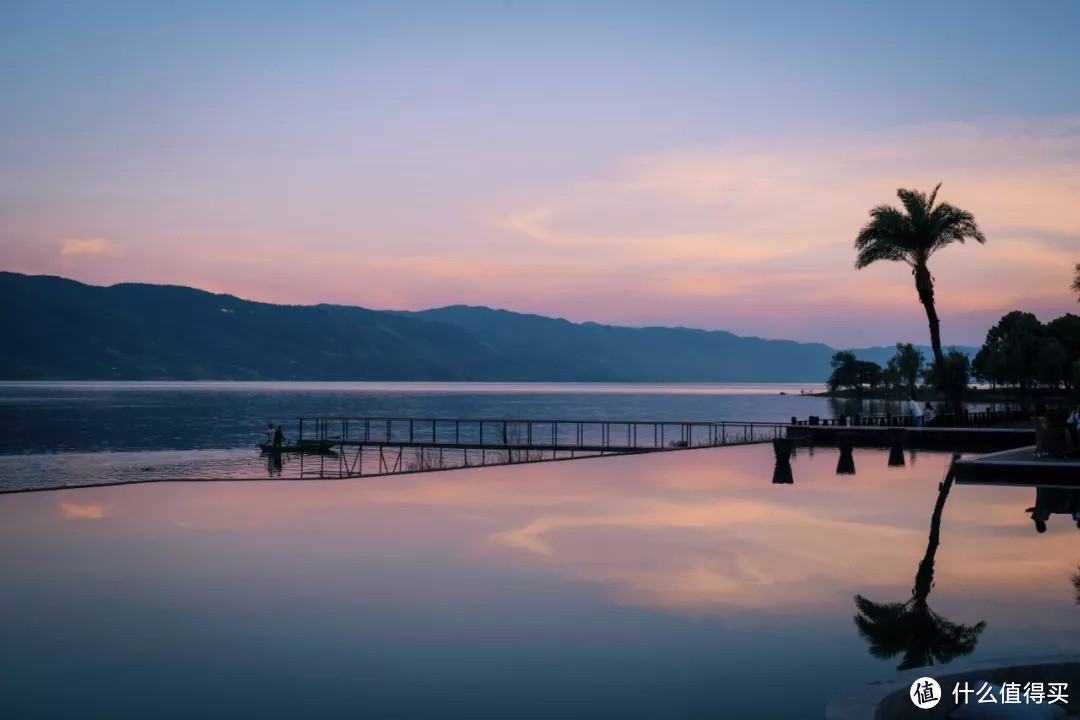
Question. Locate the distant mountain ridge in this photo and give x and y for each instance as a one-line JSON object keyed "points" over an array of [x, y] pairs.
{"points": [[65, 330]]}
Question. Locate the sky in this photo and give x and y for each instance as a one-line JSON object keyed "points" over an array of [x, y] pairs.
{"points": [[670, 163]]}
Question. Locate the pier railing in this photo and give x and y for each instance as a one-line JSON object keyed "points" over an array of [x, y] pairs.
{"points": [[967, 418], [340, 446]]}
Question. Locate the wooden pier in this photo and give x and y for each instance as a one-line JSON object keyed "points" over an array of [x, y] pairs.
{"points": [[948, 439], [356, 446], [342, 447], [965, 419]]}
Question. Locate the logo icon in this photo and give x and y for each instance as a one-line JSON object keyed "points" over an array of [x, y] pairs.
{"points": [[925, 693]]}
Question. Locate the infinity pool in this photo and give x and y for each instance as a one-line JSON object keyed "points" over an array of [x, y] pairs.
{"points": [[680, 585]]}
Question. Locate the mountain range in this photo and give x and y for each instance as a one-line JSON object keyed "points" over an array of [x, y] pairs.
{"points": [[60, 329]]}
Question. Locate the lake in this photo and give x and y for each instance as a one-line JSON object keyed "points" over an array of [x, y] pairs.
{"points": [[676, 585], [673, 585]]}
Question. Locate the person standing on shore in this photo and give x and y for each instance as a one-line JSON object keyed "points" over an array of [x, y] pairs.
{"points": [[916, 412]]}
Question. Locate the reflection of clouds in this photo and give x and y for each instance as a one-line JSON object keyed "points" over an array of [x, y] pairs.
{"points": [[729, 553], [700, 530], [660, 514], [89, 511]]}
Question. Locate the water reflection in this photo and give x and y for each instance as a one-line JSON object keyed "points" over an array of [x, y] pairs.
{"points": [[782, 474], [274, 464], [911, 628], [896, 455], [1054, 501], [616, 587], [845, 465], [784, 450]]}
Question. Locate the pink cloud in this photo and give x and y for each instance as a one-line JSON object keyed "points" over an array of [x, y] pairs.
{"points": [[71, 247]]}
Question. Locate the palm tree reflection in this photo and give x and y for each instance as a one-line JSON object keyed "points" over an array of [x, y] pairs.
{"points": [[1076, 585], [911, 628]]}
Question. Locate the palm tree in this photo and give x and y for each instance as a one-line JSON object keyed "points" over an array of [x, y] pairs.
{"points": [[911, 627], [911, 236], [1076, 282]]}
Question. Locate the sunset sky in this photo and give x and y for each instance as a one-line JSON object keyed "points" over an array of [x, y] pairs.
{"points": [[697, 164]]}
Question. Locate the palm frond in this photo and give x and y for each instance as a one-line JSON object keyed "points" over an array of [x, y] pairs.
{"points": [[917, 208], [949, 224], [933, 197], [886, 237], [914, 232], [1076, 282]]}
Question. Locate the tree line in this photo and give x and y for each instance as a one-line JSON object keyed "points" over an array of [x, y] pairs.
{"points": [[903, 374], [1020, 354]]}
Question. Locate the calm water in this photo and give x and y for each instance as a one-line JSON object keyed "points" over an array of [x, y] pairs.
{"points": [[59, 434], [685, 585]]}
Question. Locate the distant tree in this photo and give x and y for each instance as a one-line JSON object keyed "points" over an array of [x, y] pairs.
{"points": [[891, 376], [909, 363], [845, 373], [957, 373], [1076, 282], [850, 372], [868, 373], [1066, 330], [911, 236], [988, 366], [1008, 356], [1050, 364]]}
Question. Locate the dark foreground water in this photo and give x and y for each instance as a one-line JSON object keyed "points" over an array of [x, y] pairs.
{"points": [[682, 585]]}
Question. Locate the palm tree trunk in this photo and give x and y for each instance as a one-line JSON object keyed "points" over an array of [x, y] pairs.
{"points": [[924, 285]]}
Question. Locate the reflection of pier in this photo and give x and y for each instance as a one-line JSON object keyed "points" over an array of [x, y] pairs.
{"points": [[354, 446], [1021, 466]]}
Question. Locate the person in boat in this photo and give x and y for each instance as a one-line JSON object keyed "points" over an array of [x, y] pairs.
{"points": [[269, 439], [279, 438]]}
